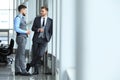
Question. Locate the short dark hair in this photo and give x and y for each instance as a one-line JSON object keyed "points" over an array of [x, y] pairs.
{"points": [[21, 7], [44, 7]]}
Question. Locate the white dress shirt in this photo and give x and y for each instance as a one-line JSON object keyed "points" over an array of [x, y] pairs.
{"points": [[42, 34], [42, 21]]}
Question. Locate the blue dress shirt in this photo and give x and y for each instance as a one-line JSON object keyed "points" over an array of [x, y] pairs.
{"points": [[17, 21]]}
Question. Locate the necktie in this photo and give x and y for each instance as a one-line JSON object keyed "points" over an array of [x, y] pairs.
{"points": [[43, 22]]}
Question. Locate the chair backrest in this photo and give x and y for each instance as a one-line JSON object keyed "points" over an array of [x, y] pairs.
{"points": [[11, 44], [9, 50]]}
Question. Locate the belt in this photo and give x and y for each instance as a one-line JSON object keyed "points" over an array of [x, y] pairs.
{"points": [[19, 34]]}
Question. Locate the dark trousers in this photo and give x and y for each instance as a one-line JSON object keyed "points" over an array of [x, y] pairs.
{"points": [[38, 50]]}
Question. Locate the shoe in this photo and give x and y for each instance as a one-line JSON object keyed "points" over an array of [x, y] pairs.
{"points": [[26, 74], [28, 67], [17, 73], [35, 73]]}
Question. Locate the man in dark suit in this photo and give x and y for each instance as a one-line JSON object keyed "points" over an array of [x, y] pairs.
{"points": [[42, 28]]}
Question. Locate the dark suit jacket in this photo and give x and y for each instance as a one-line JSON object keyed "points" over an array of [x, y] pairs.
{"points": [[48, 28]]}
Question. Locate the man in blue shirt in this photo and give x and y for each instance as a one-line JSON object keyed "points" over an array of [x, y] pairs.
{"points": [[21, 39]]}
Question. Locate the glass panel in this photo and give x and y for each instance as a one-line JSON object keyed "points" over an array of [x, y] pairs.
{"points": [[11, 35], [21, 1], [4, 4], [11, 19], [11, 4], [14, 13], [14, 4], [4, 19], [46, 3], [38, 8], [4, 37], [3, 34]]}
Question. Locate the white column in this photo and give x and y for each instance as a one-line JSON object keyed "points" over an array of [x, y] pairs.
{"points": [[68, 25], [50, 14]]}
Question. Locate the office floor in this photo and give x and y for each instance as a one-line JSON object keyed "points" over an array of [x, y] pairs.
{"points": [[7, 73]]}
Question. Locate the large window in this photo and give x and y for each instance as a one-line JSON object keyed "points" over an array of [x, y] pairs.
{"points": [[6, 14], [6, 20]]}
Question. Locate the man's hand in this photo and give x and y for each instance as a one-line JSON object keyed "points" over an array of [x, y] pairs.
{"points": [[28, 32], [40, 30]]}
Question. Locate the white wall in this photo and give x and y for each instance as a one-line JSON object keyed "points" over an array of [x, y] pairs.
{"points": [[99, 54]]}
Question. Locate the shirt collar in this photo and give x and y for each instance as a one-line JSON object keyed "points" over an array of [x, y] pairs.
{"points": [[21, 15], [45, 17]]}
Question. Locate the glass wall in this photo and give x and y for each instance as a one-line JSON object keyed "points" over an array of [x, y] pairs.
{"points": [[6, 14], [6, 20]]}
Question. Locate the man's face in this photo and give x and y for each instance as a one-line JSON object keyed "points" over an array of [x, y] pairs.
{"points": [[43, 12], [24, 11]]}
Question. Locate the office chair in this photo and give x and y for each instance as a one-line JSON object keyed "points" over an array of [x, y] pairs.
{"points": [[6, 50]]}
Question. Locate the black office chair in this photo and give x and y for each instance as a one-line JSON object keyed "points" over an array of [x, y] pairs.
{"points": [[6, 50]]}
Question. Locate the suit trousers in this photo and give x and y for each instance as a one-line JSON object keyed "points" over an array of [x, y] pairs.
{"points": [[38, 50], [20, 65]]}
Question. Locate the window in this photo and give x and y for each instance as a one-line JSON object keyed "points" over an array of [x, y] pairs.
{"points": [[6, 20], [6, 14]]}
